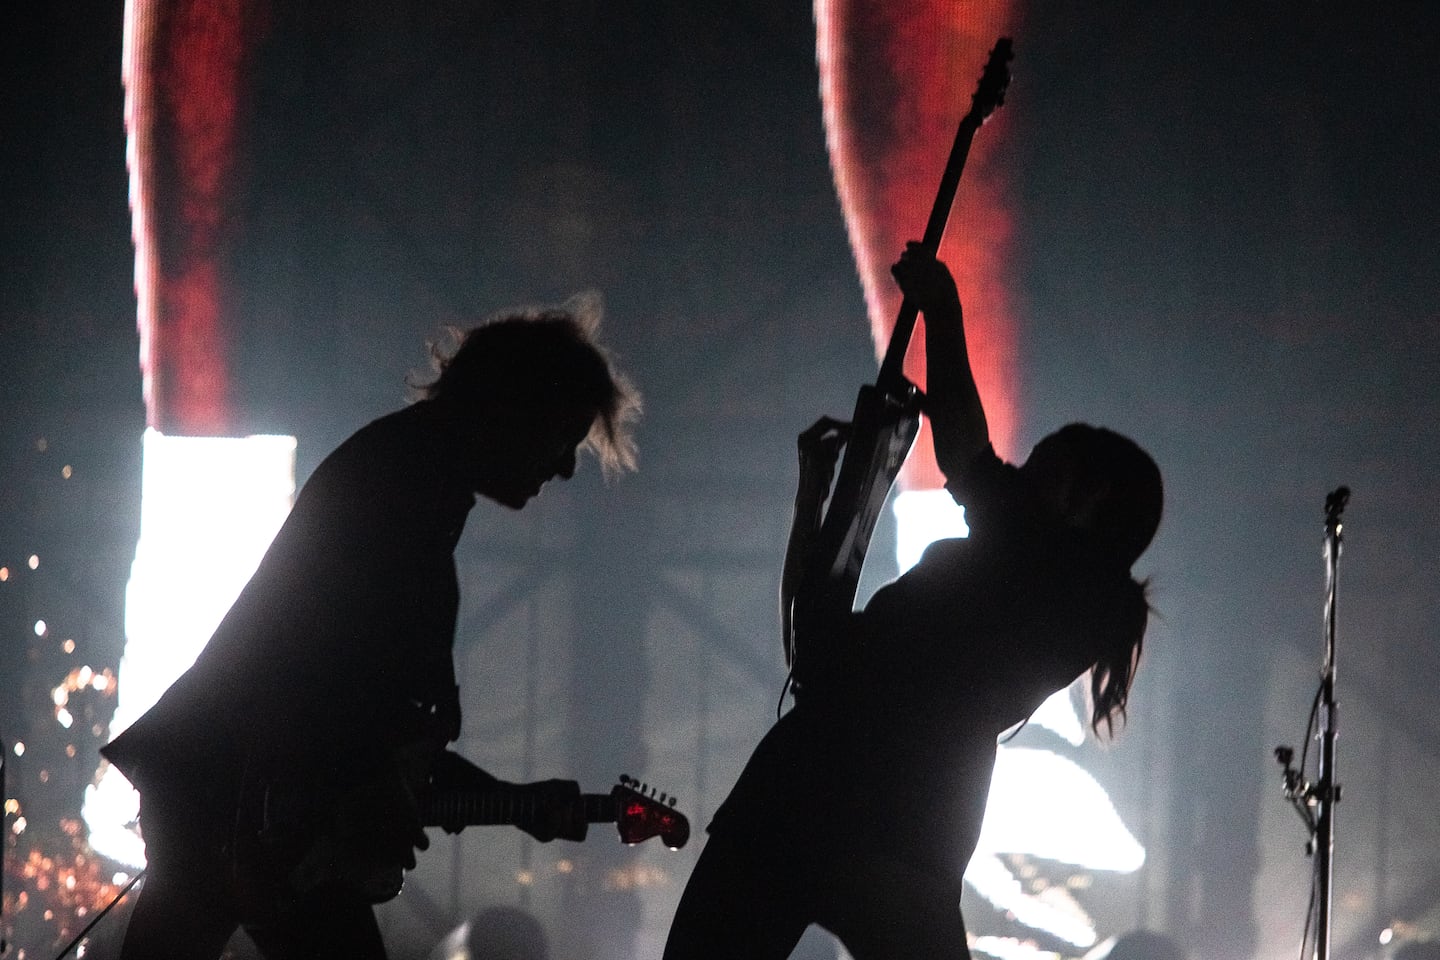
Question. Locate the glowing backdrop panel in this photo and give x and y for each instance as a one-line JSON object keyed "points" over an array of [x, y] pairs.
{"points": [[209, 507]]}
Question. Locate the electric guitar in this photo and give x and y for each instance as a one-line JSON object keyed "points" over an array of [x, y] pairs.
{"points": [[887, 415], [284, 847]]}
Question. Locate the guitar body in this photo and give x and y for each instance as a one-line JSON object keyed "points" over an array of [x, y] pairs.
{"points": [[883, 428], [296, 834]]}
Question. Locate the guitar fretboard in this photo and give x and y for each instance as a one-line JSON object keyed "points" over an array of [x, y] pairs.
{"points": [[493, 808]]}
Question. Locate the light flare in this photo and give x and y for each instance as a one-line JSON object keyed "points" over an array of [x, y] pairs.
{"points": [[209, 507]]}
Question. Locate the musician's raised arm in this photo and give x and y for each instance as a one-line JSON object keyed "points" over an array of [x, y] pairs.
{"points": [[953, 405]]}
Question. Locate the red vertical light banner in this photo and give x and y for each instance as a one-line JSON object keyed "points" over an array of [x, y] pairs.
{"points": [[895, 80], [210, 502], [183, 66]]}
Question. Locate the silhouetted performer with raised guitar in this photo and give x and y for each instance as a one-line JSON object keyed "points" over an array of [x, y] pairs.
{"points": [[860, 809], [279, 775]]}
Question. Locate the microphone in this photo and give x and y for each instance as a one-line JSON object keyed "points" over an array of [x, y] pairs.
{"points": [[1336, 502]]}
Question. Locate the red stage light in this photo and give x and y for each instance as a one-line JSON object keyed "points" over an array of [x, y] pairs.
{"points": [[895, 81]]}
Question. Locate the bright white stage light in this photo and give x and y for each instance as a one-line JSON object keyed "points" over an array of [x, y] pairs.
{"points": [[209, 507], [1046, 805], [1058, 714], [921, 518]]}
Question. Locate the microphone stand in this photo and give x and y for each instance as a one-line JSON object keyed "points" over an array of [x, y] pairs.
{"points": [[1327, 788], [1316, 801]]}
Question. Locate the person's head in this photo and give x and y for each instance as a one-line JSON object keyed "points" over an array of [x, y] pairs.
{"points": [[1108, 491], [527, 389], [1100, 484]]}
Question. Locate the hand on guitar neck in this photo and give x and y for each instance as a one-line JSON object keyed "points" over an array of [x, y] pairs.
{"points": [[952, 400], [547, 809]]}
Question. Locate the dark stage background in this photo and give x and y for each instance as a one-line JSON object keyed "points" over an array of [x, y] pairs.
{"points": [[1225, 236]]}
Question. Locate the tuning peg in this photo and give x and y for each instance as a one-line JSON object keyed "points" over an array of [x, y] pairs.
{"points": [[626, 780], [662, 796], [672, 801]]}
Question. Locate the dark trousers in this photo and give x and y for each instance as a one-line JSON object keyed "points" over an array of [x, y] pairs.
{"points": [[187, 909]]}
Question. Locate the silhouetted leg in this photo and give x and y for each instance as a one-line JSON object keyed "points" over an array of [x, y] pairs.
{"points": [[739, 902], [884, 910]]}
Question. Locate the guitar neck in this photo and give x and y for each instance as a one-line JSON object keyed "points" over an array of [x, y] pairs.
{"points": [[887, 415], [891, 376], [891, 379], [500, 808]]}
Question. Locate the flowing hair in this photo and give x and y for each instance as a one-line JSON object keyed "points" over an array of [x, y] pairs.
{"points": [[1114, 672], [1123, 521], [540, 356]]}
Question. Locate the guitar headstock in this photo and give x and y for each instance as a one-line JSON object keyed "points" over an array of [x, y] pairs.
{"points": [[641, 814], [993, 82]]}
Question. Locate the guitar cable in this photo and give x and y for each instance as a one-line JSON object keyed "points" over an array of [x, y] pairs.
{"points": [[785, 688], [4, 943], [101, 915]]}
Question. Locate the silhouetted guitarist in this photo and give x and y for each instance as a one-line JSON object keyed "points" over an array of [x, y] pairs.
{"points": [[327, 694], [861, 807]]}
